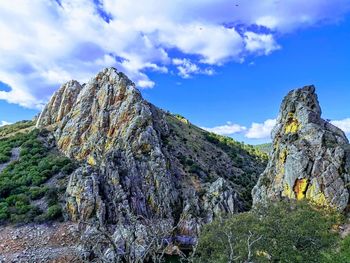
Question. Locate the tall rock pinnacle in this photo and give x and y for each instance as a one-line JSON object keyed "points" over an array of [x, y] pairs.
{"points": [[140, 167], [310, 157]]}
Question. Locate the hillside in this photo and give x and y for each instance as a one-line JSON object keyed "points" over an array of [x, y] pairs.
{"points": [[102, 156], [265, 148], [105, 176]]}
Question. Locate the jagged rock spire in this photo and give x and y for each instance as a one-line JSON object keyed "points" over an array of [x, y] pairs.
{"points": [[135, 163], [310, 157]]}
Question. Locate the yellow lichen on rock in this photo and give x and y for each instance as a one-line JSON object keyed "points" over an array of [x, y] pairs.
{"points": [[292, 125], [283, 156], [72, 211], [300, 188], [280, 167], [287, 191], [316, 196], [91, 160]]}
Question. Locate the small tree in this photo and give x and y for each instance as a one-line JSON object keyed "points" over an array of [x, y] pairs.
{"points": [[278, 232]]}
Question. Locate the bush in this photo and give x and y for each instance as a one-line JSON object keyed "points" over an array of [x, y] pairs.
{"points": [[22, 181], [279, 232], [8, 129], [4, 158], [54, 212], [341, 254]]}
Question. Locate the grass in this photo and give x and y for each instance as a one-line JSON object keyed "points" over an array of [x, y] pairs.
{"points": [[16, 127]]}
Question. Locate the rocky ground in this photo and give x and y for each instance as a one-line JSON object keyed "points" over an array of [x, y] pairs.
{"points": [[40, 243], [14, 157]]}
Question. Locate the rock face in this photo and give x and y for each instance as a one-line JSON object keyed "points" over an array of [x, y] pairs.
{"points": [[310, 157], [139, 166]]}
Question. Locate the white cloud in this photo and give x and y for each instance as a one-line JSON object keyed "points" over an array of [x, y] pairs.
{"points": [[260, 43], [255, 131], [186, 68], [261, 130], [343, 125], [44, 44], [227, 129], [3, 123]]}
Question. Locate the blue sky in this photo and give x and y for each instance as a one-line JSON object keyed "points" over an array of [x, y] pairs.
{"points": [[222, 69]]}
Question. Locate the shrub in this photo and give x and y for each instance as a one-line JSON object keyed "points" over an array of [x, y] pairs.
{"points": [[8, 129], [279, 232], [22, 181], [53, 212], [340, 254]]}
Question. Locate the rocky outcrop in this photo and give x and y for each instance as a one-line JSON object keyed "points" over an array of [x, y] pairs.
{"points": [[60, 104], [111, 128], [142, 171], [310, 156]]}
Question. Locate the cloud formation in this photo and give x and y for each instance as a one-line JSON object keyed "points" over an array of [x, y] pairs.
{"points": [[227, 129], [47, 42], [261, 130], [255, 131], [343, 125], [3, 123]]}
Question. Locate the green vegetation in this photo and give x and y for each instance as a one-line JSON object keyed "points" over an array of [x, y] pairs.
{"points": [[181, 118], [9, 129], [244, 156], [280, 232], [22, 182], [266, 147], [234, 148], [341, 253]]}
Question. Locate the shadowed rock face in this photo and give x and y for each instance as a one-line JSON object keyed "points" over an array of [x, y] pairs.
{"points": [[310, 156], [132, 170]]}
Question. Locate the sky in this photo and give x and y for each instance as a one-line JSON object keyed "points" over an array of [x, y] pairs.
{"points": [[223, 64]]}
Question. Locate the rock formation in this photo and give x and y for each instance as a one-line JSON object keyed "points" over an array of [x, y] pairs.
{"points": [[310, 157], [142, 171]]}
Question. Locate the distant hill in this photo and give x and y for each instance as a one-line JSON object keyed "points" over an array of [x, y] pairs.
{"points": [[266, 147]]}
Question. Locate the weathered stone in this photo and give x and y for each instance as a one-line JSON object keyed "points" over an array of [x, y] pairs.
{"points": [[133, 176], [309, 158], [60, 104], [84, 200]]}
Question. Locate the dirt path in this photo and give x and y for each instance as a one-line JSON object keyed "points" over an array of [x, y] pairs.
{"points": [[14, 157]]}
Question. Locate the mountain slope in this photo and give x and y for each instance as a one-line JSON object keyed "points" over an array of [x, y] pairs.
{"points": [[143, 176]]}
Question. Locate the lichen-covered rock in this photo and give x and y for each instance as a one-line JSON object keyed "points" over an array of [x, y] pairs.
{"points": [[111, 128], [220, 198], [310, 156], [84, 200], [60, 104], [142, 171]]}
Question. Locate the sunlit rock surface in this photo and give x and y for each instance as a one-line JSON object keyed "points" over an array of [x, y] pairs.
{"points": [[310, 157], [142, 171]]}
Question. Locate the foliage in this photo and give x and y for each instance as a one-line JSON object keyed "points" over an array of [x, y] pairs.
{"points": [[278, 232], [23, 181], [54, 212], [244, 156], [235, 148], [181, 118], [8, 129], [341, 254], [266, 147]]}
